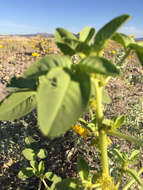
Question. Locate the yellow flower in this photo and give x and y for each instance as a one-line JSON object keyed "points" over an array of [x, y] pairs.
{"points": [[50, 49], [35, 54], [80, 130], [1, 46], [33, 46], [114, 52], [38, 36], [132, 36], [131, 56]]}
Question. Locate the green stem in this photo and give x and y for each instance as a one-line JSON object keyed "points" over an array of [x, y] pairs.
{"points": [[103, 149], [99, 111], [44, 182], [126, 137], [102, 133], [119, 181]]}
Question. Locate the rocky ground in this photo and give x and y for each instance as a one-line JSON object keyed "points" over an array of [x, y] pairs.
{"points": [[127, 98]]}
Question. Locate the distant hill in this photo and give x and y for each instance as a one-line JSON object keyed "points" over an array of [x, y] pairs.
{"points": [[138, 39], [51, 35], [33, 35]]}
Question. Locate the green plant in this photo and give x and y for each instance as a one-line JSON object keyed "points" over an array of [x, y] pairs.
{"points": [[62, 91], [32, 153]]}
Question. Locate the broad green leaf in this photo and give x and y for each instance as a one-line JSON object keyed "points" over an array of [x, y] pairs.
{"points": [[123, 39], [107, 31], [68, 184], [139, 51], [51, 176], [61, 104], [135, 175], [119, 121], [87, 35], [71, 43], [134, 155], [71, 47], [34, 164], [25, 173], [29, 140], [41, 167], [97, 65], [31, 143], [17, 105], [54, 178], [83, 169], [43, 65], [42, 153], [61, 34], [20, 82], [29, 154], [83, 48], [65, 49]]}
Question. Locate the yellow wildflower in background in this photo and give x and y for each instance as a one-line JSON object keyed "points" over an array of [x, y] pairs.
{"points": [[80, 130], [1, 46], [35, 54], [50, 49], [132, 36], [38, 36], [114, 52]]}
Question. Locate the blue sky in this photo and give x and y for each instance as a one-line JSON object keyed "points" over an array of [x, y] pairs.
{"points": [[32, 16]]}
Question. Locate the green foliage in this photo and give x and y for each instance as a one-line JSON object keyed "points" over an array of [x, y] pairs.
{"points": [[54, 179], [87, 35], [123, 39], [83, 169], [37, 168], [17, 104], [107, 31], [134, 174], [61, 92], [42, 66], [25, 173], [20, 82], [70, 184], [97, 65], [139, 51], [63, 108]]}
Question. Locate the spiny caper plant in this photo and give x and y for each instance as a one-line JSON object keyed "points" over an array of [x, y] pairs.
{"points": [[61, 91]]}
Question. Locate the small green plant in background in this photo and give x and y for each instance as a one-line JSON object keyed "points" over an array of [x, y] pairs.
{"points": [[63, 92], [33, 153]]}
